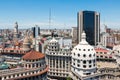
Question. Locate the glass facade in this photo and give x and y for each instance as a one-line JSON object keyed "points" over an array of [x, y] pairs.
{"points": [[89, 24]]}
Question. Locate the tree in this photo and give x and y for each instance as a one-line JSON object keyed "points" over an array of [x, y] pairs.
{"points": [[68, 78]]}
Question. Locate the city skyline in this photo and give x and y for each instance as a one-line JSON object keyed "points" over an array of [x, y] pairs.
{"points": [[28, 13]]}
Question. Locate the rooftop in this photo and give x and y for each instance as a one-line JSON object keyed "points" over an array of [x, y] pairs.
{"points": [[33, 55]]}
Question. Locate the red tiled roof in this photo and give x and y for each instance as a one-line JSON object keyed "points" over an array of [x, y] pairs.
{"points": [[101, 50], [33, 55]]}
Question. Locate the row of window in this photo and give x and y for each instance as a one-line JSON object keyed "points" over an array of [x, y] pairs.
{"points": [[84, 49], [84, 61], [58, 74], [84, 55], [61, 53], [84, 66], [104, 57], [53, 43]]}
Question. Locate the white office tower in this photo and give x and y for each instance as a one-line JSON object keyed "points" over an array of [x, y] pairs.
{"points": [[83, 59], [58, 59]]}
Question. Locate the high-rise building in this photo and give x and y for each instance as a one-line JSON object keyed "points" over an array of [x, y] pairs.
{"points": [[89, 21], [74, 34], [36, 31], [16, 30]]}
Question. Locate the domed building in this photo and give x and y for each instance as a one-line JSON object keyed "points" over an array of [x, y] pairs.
{"points": [[53, 45], [83, 58], [33, 59], [116, 53], [33, 68], [26, 44], [58, 60]]}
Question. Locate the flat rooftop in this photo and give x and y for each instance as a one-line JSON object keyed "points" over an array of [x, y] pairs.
{"points": [[106, 65]]}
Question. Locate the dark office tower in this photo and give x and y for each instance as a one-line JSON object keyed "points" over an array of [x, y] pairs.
{"points": [[36, 31], [89, 21]]}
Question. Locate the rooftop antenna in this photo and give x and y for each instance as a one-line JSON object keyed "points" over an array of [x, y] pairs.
{"points": [[49, 18]]}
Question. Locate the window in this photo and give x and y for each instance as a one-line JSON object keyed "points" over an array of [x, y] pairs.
{"points": [[90, 62], [78, 65], [73, 63], [105, 52], [89, 66], [84, 55], [83, 49], [84, 62], [78, 55], [101, 56], [90, 55], [79, 49], [84, 66], [106, 57], [78, 61], [88, 49], [74, 54]]}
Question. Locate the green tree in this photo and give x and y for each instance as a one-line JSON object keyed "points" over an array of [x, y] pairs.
{"points": [[68, 78]]}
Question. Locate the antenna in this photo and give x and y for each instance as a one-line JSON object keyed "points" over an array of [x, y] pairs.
{"points": [[49, 18]]}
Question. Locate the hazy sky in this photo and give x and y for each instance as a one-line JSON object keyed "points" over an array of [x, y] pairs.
{"points": [[63, 12]]}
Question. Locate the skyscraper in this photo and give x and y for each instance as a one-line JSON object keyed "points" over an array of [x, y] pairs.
{"points": [[36, 31], [16, 30], [89, 21]]}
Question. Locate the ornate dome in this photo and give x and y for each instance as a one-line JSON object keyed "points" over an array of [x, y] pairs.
{"points": [[26, 40], [33, 55], [53, 40], [83, 57]]}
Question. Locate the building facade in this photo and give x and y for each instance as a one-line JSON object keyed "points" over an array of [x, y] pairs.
{"points": [[16, 30], [84, 65], [58, 60], [83, 59], [33, 67], [74, 35], [89, 21]]}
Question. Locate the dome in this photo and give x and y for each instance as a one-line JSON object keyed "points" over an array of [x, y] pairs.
{"points": [[4, 66], [83, 45], [33, 55], [83, 57], [53, 40], [26, 40]]}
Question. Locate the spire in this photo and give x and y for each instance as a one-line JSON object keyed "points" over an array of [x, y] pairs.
{"points": [[83, 38], [16, 24]]}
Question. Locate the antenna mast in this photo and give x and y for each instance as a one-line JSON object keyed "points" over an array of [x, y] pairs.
{"points": [[49, 18]]}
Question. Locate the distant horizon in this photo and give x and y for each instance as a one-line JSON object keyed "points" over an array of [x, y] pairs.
{"points": [[29, 13]]}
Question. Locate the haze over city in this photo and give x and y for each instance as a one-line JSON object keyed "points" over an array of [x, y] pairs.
{"points": [[63, 12]]}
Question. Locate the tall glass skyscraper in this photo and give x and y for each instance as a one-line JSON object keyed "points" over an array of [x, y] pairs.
{"points": [[89, 21]]}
